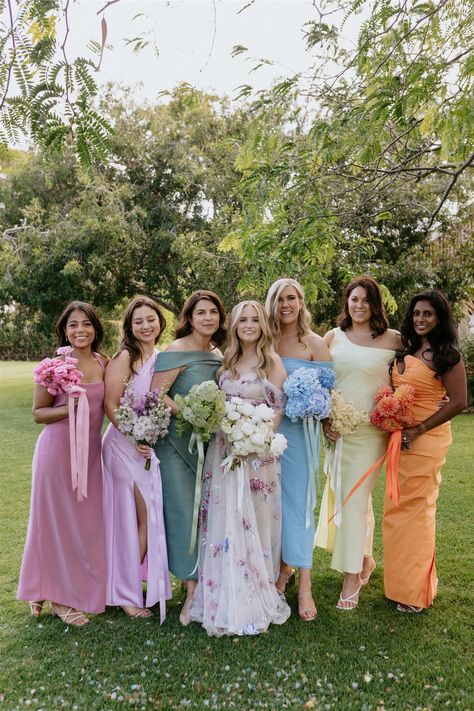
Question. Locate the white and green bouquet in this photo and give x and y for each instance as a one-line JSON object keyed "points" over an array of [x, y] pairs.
{"points": [[202, 409]]}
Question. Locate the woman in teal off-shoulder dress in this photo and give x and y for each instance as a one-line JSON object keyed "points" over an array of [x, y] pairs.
{"points": [[191, 359], [298, 347]]}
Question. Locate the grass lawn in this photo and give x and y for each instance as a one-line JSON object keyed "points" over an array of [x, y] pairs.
{"points": [[372, 658]]}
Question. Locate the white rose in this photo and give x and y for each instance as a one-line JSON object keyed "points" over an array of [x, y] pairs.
{"points": [[236, 433], [247, 409], [248, 428], [233, 416], [263, 412], [258, 438], [278, 445]]}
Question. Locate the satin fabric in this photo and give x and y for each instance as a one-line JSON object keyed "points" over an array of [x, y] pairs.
{"points": [[64, 557], [178, 466], [297, 540], [123, 470], [360, 372], [409, 529]]}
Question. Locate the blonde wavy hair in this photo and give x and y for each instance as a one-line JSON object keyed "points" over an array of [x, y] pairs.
{"points": [[272, 308], [264, 344]]}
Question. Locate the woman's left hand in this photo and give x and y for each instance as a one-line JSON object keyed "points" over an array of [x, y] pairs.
{"points": [[410, 434], [143, 450]]}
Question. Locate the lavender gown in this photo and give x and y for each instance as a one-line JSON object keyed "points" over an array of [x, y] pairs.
{"points": [[124, 468], [64, 557]]}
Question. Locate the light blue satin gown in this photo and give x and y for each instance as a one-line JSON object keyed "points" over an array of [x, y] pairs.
{"points": [[297, 539]]}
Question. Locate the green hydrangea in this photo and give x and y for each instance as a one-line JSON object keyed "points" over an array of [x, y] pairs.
{"points": [[202, 408]]}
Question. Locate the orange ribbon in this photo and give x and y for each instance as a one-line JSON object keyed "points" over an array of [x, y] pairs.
{"points": [[392, 486]]}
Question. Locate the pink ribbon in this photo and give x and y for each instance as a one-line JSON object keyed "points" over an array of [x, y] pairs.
{"points": [[79, 443]]}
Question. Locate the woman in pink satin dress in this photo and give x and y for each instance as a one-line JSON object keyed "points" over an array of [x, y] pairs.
{"points": [[133, 504], [64, 557]]}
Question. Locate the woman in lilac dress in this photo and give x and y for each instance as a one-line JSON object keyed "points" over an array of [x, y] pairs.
{"points": [[133, 507], [240, 510], [64, 557]]}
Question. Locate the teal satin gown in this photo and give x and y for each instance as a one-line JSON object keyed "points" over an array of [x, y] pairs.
{"points": [[178, 466]]}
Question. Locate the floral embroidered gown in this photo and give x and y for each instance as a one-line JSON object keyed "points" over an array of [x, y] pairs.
{"points": [[240, 532]]}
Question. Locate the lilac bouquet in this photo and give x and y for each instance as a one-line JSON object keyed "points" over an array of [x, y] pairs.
{"points": [[143, 419]]}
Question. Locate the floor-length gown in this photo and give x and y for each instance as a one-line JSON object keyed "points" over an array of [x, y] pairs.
{"points": [[64, 557], [241, 532], [409, 529], [360, 372], [178, 465], [297, 539], [124, 469]]}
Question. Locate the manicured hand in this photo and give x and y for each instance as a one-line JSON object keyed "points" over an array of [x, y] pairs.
{"points": [[143, 450]]}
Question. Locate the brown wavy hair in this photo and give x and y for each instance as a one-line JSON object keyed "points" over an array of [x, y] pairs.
{"points": [[93, 317], [378, 319], [264, 344], [129, 342], [184, 327]]}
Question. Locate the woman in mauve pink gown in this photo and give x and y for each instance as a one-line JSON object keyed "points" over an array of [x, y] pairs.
{"points": [[64, 557], [133, 505]]}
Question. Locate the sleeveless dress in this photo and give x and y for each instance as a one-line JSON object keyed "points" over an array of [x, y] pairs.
{"points": [[64, 557], [124, 468], [360, 372], [178, 466], [241, 532], [297, 540], [409, 529]]}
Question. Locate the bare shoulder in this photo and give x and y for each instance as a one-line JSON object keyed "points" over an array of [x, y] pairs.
{"points": [[329, 337], [318, 347], [395, 339], [277, 375], [217, 352], [178, 345]]}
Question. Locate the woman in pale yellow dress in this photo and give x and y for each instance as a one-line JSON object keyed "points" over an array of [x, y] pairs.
{"points": [[361, 349], [431, 363]]}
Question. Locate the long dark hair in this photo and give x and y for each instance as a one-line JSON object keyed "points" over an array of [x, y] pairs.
{"points": [[184, 327], [378, 319], [443, 338], [93, 317], [129, 342]]}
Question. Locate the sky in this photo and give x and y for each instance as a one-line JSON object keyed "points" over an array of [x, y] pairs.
{"points": [[191, 41]]}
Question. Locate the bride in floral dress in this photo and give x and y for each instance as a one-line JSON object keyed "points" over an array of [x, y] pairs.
{"points": [[241, 514]]}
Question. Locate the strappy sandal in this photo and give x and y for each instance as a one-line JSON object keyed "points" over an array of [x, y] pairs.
{"points": [[289, 579], [72, 617], [364, 581], [36, 607], [312, 609], [408, 608], [351, 600], [138, 613]]}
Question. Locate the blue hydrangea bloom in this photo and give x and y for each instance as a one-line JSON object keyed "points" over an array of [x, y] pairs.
{"points": [[308, 394]]}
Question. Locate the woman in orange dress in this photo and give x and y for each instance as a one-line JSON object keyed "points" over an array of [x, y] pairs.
{"points": [[431, 362]]}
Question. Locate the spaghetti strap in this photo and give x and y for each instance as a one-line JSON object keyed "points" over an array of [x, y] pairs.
{"points": [[99, 359]]}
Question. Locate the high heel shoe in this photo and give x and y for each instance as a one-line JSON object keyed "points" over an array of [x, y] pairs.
{"points": [[137, 613], [72, 617], [408, 608], [311, 610], [364, 581], [36, 607], [351, 600], [289, 579]]}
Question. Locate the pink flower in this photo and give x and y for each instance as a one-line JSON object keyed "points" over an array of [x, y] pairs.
{"points": [[385, 391], [64, 350]]}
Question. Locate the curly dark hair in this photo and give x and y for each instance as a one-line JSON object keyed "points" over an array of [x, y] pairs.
{"points": [[442, 339], [91, 314], [378, 319], [184, 327], [129, 342]]}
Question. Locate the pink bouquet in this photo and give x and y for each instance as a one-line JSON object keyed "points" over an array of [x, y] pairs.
{"points": [[58, 375], [392, 411]]}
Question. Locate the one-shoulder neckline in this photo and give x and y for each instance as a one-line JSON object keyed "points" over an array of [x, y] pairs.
{"points": [[371, 348]]}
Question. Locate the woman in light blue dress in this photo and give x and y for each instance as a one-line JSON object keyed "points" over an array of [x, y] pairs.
{"points": [[298, 347]]}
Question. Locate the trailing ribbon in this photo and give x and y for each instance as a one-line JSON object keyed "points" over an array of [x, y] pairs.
{"points": [[392, 486], [311, 436], [196, 444], [79, 443], [156, 509], [333, 470]]}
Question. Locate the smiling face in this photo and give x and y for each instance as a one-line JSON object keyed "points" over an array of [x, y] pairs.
{"points": [[145, 325], [205, 318], [358, 306], [248, 327], [79, 330], [425, 318], [289, 305]]}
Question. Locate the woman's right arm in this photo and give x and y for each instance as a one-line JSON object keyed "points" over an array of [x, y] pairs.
{"points": [[116, 375], [166, 378], [43, 411]]}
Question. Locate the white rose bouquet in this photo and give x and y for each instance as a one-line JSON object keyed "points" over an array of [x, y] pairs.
{"points": [[249, 430]]}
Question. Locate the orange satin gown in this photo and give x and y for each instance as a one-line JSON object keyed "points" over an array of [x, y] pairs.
{"points": [[409, 529]]}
